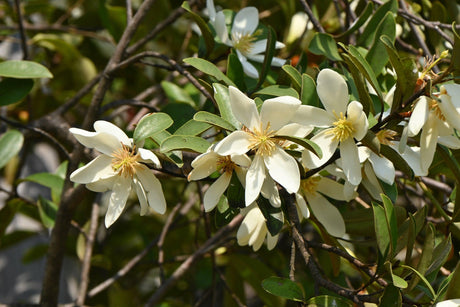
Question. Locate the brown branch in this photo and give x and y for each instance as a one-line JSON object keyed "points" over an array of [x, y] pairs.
{"points": [[312, 17], [22, 32]]}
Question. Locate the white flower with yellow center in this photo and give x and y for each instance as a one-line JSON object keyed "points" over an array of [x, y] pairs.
{"points": [[437, 120], [259, 134], [345, 122], [120, 168], [243, 37], [313, 190], [210, 162], [253, 230]]}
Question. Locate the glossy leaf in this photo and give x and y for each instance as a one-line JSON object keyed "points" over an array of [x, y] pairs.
{"points": [[10, 145], [235, 193], [425, 257], [419, 276], [209, 68], [391, 220], [23, 70], [13, 90], [294, 75], [278, 90], [328, 301], [391, 297], [192, 127], [382, 231], [224, 213], [184, 142], [47, 210], [308, 94], [366, 38], [324, 44], [366, 13], [176, 93], [305, 143], [377, 56], [52, 181], [268, 57], [397, 281], [235, 71], [174, 156], [283, 287], [223, 102], [453, 290], [274, 216], [205, 31], [150, 125], [212, 119]]}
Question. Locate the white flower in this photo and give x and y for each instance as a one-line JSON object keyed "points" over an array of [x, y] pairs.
{"points": [[253, 230], [243, 37], [259, 134], [210, 162], [119, 169], [313, 189], [383, 168], [299, 23], [449, 303], [346, 123], [436, 119]]}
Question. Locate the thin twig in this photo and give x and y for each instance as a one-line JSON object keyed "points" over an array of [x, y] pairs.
{"points": [[22, 33], [312, 17]]}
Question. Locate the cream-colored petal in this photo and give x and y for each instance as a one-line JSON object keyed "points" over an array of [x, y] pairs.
{"points": [[245, 21], [203, 166], [244, 108], [331, 189], [211, 9], [428, 141], [103, 126], [215, 191], [271, 241], [412, 156], [248, 68], [102, 185], [449, 303], [278, 111], [254, 180], [325, 140], [103, 142], [283, 168], [450, 141], [258, 237], [251, 221], [309, 115], [237, 143], [241, 160], [296, 130], [419, 116], [270, 191], [259, 46], [302, 209], [141, 195], [453, 90], [449, 111], [370, 181], [278, 62], [148, 156], [99, 168], [153, 188], [118, 197], [357, 116], [333, 91], [221, 29], [327, 214], [351, 167], [383, 168]]}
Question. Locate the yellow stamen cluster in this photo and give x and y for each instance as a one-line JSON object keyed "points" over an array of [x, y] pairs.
{"points": [[434, 106], [225, 164], [244, 43], [343, 128], [262, 140], [310, 184], [386, 136], [125, 160]]}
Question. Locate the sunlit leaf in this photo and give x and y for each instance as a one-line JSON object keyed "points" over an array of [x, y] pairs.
{"points": [[203, 116], [278, 90], [327, 301], [294, 75], [223, 102], [205, 31], [324, 44], [308, 94], [24, 70], [150, 125], [10, 145], [192, 127], [283, 287], [366, 38], [209, 68], [52, 181], [184, 142], [377, 56], [176, 93]]}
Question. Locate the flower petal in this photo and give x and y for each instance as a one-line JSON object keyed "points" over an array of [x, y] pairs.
{"points": [[302, 209], [296, 130], [450, 141], [109, 128], [237, 143], [271, 241], [278, 111], [148, 156], [211, 9], [244, 108], [283, 168], [142, 196], [358, 118], [449, 111], [118, 198], [254, 180], [248, 68], [327, 214], [383, 168], [351, 167], [245, 22], [153, 188], [203, 166], [419, 116], [241, 160], [99, 168], [331, 189], [333, 91], [453, 90], [428, 140], [215, 191], [328, 145], [103, 142], [270, 191], [102, 185], [221, 29], [309, 115]]}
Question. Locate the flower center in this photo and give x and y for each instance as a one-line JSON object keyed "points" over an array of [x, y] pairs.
{"points": [[434, 106], [262, 140], [386, 136], [343, 128], [244, 42], [225, 164], [125, 160], [310, 184]]}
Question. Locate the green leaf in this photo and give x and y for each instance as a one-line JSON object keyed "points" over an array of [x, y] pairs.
{"points": [[377, 56], [274, 216], [328, 301], [366, 13], [192, 127], [203, 116], [440, 254], [47, 210], [235, 71], [150, 125], [223, 102], [361, 86], [184, 142], [324, 44], [205, 31], [277, 91], [294, 75], [16, 237], [176, 93], [235, 193], [382, 231], [173, 156], [52, 181], [24, 70], [35, 252], [391, 297], [366, 38], [306, 143], [268, 57], [10, 145], [450, 161], [14, 90], [224, 213], [456, 55], [391, 221], [209, 68], [283, 287], [308, 94], [453, 290], [420, 276], [397, 281]]}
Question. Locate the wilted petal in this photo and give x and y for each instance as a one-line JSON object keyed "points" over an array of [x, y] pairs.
{"points": [[327, 214], [153, 188], [325, 140], [246, 21], [105, 143], [278, 111], [419, 116], [283, 168], [254, 179], [215, 191], [99, 168], [148, 156], [428, 141], [333, 91], [310, 115], [237, 143], [118, 197], [244, 108], [357, 116], [103, 126], [349, 155]]}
